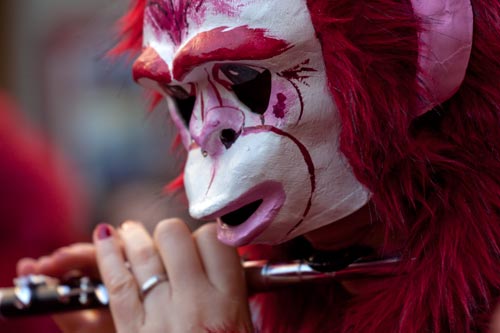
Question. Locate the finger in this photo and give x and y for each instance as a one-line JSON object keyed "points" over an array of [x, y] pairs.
{"points": [[145, 262], [26, 266], [96, 321], [125, 303], [221, 262], [77, 257], [179, 255], [140, 251]]}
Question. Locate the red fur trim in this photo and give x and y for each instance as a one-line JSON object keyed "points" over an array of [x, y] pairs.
{"points": [[177, 141], [156, 99], [175, 185], [434, 179], [130, 43], [131, 26]]}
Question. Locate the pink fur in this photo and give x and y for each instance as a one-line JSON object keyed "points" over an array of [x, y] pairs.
{"points": [[131, 29], [435, 178]]}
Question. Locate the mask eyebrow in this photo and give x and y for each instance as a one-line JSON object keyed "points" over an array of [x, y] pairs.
{"points": [[150, 65], [223, 43]]}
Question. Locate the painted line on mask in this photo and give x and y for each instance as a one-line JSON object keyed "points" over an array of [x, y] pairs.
{"points": [[307, 158], [299, 93]]}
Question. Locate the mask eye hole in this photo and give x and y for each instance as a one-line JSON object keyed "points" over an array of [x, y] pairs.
{"points": [[184, 102], [252, 87]]}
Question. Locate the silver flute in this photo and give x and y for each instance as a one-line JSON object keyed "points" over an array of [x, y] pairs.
{"points": [[41, 295]]}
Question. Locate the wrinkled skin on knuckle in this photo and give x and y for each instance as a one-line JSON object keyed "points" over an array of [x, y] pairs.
{"points": [[121, 285], [145, 253]]}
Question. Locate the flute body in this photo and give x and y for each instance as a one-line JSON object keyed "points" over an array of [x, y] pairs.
{"points": [[40, 295]]}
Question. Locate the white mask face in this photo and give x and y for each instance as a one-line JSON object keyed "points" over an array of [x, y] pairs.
{"points": [[247, 88]]}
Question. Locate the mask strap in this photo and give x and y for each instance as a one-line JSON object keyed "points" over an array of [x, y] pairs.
{"points": [[445, 47]]}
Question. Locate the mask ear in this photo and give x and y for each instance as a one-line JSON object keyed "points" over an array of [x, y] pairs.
{"points": [[445, 47]]}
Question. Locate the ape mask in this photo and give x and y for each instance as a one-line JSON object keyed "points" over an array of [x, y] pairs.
{"points": [[249, 95]]}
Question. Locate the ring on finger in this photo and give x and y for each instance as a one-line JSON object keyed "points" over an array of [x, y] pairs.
{"points": [[151, 283]]}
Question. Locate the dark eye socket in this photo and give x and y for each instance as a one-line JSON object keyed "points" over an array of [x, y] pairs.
{"points": [[250, 86], [239, 74], [183, 101]]}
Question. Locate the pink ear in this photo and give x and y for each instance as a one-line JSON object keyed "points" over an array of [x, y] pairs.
{"points": [[445, 47]]}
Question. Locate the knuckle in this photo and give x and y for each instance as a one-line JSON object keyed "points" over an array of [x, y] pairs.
{"points": [[120, 285], [145, 253]]}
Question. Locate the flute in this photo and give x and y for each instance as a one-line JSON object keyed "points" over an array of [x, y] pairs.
{"points": [[41, 295]]}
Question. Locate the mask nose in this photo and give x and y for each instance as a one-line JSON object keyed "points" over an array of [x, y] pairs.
{"points": [[220, 129]]}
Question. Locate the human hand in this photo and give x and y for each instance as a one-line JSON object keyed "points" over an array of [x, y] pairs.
{"points": [[205, 291], [80, 257]]}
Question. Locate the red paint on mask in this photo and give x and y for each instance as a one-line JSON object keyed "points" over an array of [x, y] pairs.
{"points": [[202, 102], [218, 7], [225, 8], [212, 177], [170, 16], [216, 75], [299, 93], [214, 88], [279, 108], [149, 65], [294, 75], [225, 44]]}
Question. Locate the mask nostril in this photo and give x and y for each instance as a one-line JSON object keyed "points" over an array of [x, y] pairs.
{"points": [[228, 137]]}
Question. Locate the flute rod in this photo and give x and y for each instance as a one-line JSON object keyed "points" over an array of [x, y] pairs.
{"points": [[40, 295]]}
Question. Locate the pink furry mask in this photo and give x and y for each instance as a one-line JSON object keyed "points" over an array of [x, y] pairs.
{"points": [[298, 115]]}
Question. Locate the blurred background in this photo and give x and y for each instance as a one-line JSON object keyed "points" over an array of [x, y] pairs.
{"points": [[74, 125], [54, 64]]}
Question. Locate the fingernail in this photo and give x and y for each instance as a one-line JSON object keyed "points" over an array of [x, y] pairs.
{"points": [[103, 231], [130, 225]]}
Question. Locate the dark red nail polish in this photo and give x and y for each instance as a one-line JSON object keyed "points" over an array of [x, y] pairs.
{"points": [[103, 231]]}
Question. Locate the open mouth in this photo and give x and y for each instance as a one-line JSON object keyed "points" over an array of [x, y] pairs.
{"points": [[241, 215], [245, 218], [242, 218]]}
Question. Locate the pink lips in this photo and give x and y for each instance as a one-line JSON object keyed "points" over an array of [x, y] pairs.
{"points": [[273, 197]]}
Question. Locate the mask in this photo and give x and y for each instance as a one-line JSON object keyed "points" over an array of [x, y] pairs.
{"points": [[246, 87]]}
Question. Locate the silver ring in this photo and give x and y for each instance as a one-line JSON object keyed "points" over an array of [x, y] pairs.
{"points": [[152, 282]]}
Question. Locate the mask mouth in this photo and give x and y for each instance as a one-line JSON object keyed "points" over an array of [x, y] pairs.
{"points": [[241, 215], [243, 218]]}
